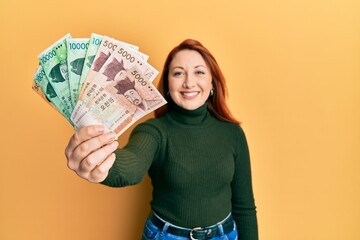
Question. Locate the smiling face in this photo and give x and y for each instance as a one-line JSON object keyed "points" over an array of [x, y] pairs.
{"points": [[190, 79]]}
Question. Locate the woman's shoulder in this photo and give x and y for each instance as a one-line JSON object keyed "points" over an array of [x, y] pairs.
{"points": [[231, 126], [232, 130]]}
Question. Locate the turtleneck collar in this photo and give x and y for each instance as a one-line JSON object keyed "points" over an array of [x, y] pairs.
{"points": [[189, 117]]}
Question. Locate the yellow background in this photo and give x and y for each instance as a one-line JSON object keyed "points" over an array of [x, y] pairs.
{"points": [[293, 75]]}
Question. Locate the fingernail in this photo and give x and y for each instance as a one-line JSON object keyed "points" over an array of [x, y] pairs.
{"points": [[115, 144], [112, 136]]}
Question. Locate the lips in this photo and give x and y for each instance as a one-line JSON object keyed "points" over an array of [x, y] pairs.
{"points": [[191, 94]]}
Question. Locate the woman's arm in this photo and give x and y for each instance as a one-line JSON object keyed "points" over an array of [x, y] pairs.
{"points": [[134, 160], [243, 203]]}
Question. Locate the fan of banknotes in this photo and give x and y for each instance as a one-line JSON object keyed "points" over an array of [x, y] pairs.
{"points": [[97, 80]]}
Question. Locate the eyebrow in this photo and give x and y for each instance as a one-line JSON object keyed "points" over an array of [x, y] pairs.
{"points": [[200, 66], [197, 66]]}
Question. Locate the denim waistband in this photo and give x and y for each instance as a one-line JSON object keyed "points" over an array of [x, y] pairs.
{"points": [[223, 227]]}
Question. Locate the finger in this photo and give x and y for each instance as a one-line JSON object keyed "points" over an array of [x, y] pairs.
{"points": [[83, 135], [101, 171], [93, 144], [97, 157], [90, 146]]}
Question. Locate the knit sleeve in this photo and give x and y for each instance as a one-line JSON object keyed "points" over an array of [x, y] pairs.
{"points": [[243, 203], [133, 161]]}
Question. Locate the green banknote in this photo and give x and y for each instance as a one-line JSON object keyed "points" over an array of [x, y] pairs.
{"points": [[76, 53], [40, 92], [54, 63], [49, 92], [94, 44]]}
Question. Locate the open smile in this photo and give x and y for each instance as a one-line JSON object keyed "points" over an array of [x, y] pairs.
{"points": [[190, 94]]}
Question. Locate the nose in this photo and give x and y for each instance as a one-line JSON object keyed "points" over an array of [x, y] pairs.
{"points": [[189, 81]]}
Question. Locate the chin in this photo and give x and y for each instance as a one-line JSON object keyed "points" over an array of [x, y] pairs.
{"points": [[191, 106]]}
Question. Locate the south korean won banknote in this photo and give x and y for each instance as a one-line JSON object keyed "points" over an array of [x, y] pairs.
{"points": [[36, 87], [54, 62], [42, 86], [95, 41], [94, 44], [122, 93], [105, 50], [76, 53]]}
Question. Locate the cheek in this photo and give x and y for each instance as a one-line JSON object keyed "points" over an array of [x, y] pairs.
{"points": [[173, 86], [207, 85]]}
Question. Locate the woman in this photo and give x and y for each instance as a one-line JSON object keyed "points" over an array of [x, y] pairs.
{"points": [[194, 151]]}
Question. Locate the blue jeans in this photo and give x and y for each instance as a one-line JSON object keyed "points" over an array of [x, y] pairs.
{"points": [[151, 232]]}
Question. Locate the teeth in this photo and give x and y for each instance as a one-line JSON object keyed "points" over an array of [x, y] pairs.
{"points": [[190, 94]]}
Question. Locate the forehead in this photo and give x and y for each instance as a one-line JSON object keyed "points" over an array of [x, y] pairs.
{"points": [[187, 58]]}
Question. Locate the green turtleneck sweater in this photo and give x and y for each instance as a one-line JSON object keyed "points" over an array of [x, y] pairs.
{"points": [[199, 168]]}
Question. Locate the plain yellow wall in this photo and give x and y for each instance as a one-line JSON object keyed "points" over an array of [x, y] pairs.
{"points": [[293, 72]]}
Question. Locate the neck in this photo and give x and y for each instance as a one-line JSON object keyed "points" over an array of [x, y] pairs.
{"points": [[185, 116]]}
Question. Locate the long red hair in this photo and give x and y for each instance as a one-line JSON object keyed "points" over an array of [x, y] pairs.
{"points": [[216, 103]]}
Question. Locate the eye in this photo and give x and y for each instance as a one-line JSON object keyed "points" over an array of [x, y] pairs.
{"points": [[175, 74], [200, 72]]}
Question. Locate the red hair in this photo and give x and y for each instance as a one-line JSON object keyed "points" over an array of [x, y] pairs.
{"points": [[216, 103]]}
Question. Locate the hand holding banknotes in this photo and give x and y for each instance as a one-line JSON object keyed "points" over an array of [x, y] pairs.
{"points": [[90, 152], [89, 81]]}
